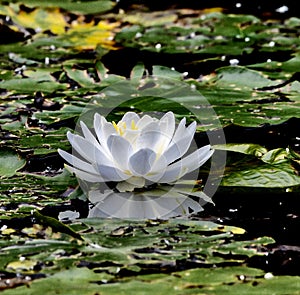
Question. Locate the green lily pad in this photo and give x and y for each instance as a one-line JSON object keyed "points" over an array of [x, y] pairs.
{"points": [[133, 247], [28, 85], [236, 76], [259, 167], [213, 33], [10, 162], [245, 148], [84, 7], [241, 280]]}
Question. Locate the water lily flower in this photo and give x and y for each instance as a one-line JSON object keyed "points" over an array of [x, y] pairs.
{"points": [[135, 152]]}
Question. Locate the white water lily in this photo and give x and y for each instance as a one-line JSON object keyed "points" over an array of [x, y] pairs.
{"points": [[135, 152]]}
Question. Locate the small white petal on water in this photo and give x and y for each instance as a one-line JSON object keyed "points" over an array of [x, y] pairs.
{"points": [[282, 9]]}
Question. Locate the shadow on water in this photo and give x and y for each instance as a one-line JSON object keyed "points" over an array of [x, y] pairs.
{"points": [[255, 7], [195, 64], [263, 213]]}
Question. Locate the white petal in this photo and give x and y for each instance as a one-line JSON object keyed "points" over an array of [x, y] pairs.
{"points": [[194, 160], [203, 154], [192, 127], [103, 129], [160, 165], [167, 122], [110, 173], [167, 127], [90, 177], [131, 135], [82, 146], [150, 137], [180, 146], [144, 121], [120, 205], [141, 162], [87, 150], [88, 134], [111, 204], [96, 196], [199, 194], [167, 176], [153, 138], [129, 117], [120, 150], [180, 168], [180, 130], [77, 162]]}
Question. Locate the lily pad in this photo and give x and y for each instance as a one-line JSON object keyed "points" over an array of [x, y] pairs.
{"points": [[84, 7], [10, 162], [129, 247], [260, 168]]}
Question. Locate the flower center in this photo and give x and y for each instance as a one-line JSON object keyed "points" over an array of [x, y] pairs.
{"points": [[121, 127]]}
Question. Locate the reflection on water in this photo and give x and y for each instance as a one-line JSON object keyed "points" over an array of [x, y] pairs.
{"points": [[162, 202]]}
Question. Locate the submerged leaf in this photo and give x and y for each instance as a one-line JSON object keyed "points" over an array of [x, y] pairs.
{"points": [[55, 224]]}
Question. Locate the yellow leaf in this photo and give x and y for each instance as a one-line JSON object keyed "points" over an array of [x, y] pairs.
{"points": [[21, 265], [212, 10], [85, 36], [42, 19], [7, 231], [237, 230], [227, 228], [79, 34]]}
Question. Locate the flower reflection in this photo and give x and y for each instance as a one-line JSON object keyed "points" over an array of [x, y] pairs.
{"points": [[160, 203]]}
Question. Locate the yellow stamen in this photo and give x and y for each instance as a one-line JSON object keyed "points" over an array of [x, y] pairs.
{"points": [[116, 126], [133, 126], [120, 127]]}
